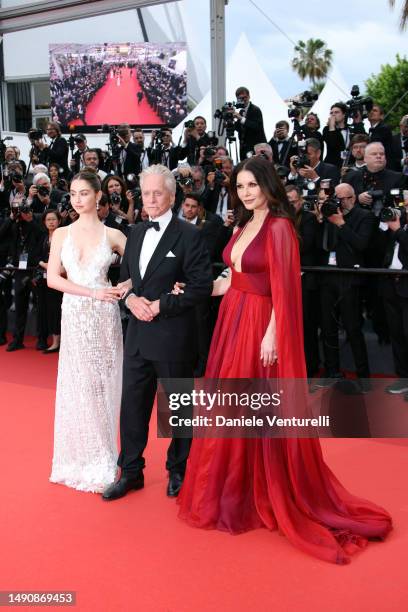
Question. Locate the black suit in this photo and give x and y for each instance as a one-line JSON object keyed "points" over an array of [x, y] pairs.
{"points": [[308, 230], [283, 155], [57, 152], [398, 152], [251, 132], [340, 293], [324, 171], [336, 144], [212, 197], [385, 180], [168, 157], [166, 346], [78, 158], [382, 133], [394, 291], [129, 160]]}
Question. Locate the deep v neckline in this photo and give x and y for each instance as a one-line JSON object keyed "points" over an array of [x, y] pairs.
{"points": [[247, 246], [75, 249]]}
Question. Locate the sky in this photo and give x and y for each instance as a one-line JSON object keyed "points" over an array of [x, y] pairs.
{"points": [[363, 35]]}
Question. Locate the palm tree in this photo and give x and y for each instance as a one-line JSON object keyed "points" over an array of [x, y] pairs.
{"points": [[404, 13], [313, 59]]}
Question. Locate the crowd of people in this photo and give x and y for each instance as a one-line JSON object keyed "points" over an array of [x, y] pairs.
{"points": [[330, 201], [165, 90]]}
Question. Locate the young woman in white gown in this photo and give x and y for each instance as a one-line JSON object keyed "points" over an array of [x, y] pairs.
{"points": [[90, 360]]}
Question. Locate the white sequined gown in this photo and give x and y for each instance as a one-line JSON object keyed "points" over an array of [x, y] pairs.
{"points": [[89, 377]]}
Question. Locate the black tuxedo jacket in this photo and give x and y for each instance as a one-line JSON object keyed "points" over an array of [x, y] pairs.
{"points": [[171, 335], [350, 242], [388, 239], [382, 133], [280, 157], [174, 153], [211, 199], [252, 131], [397, 153], [362, 180], [335, 144], [56, 152], [110, 221]]}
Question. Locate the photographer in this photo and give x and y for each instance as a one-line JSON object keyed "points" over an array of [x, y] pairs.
{"points": [[139, 140], [77, 162], [311, 127], [162, 150], [56, 151], [344, 238], [263, 149], [307, 228], [399, 155], [355, 159], [12, 187], [394, 292], [380, 132], [373, 183], [311, 168], [25, 238], [280, 143], [248, 124], [218, 200], [195, 136], [127, 156], [121, 200], [337, 134], [41, 197], [91, 160]]}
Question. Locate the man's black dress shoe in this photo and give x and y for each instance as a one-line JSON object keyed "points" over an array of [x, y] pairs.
{"points": [[14, 346], [122, 486], [174, 486]]}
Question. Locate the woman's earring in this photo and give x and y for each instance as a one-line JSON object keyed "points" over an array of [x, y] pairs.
{"points": [[97, 204]]}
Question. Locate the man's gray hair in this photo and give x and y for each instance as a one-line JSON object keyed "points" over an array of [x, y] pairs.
{"points": [[371, 145], [160, 170], [263, 145], [40, 176]]}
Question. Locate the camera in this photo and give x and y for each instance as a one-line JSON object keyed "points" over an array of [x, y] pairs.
{"points": [[43, 190], [115, 198], [35, 134], [309, 203], [65, 204], [16, 177], [189, 125], [305, 100], [301, 160], [226, 115], [6, 273], [186, 181], [377, 196], [390, 213], [330, 207], [209, 152], [358, 104]]}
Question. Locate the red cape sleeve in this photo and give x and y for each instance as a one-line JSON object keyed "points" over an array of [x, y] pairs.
{"points": [[284, 269]]}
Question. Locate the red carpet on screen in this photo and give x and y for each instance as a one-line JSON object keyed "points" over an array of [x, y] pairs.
{"points": [[134, 554], [116, 102]]}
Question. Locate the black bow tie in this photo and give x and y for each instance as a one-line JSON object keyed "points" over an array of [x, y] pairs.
{"points": [[149, 224]]}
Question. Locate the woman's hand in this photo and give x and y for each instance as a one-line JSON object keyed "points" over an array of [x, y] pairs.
{"points": [[178, 288], [107, 294], [124, 287], [268, 348]]}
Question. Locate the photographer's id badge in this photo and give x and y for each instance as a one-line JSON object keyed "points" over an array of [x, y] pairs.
{"points": [[118, 219], [332, 258], [22, 262], [343, 154]]}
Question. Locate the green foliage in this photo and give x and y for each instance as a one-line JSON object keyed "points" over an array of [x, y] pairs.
{"points": [[388, 87], [312, 59]]}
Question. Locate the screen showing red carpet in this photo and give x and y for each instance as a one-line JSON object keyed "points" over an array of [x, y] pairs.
{"points": [[111, 83]]}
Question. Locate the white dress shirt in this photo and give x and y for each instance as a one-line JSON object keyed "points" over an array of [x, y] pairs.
{"points": [[152, 239]]}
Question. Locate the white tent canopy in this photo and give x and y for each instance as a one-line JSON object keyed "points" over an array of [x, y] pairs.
{"points": [[336, 89]]}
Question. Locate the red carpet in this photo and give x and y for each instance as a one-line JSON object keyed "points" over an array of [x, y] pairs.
{"points": [[115, 104], [134, 554]]}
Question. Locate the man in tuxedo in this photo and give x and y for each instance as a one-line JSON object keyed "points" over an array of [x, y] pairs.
{"points": [[280, 144], [129, 156], [248, 124], [160, 339], [77, 161], [380, 132], [399, 160], [394, 292], [165, 153], [337, 134], [218, 197], [56, 150], [345, 236], [307, 227], [139, 140], [194, 138], [316, 170]]}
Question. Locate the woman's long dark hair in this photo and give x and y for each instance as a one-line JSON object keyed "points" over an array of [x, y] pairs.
{"points": [[271, 186], [109, 177]]}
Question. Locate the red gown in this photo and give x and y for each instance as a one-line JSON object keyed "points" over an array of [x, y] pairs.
{"points": [[240, 484]]}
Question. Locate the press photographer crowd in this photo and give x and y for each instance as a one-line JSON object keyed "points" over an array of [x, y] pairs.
{"points": [[347, 184]]}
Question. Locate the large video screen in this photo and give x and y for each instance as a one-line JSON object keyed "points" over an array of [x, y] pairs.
{"points": [[143, 84]]}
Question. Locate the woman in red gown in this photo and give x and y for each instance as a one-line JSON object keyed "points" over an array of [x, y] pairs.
{"points": [[240, 484]]}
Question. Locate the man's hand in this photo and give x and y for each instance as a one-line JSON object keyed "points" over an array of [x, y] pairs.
{"points": [[394, 225], [230, 220], [211, 179], [365, 198], [337, 219], [155, 307], [309, 173], [293, 169], [140, 308], [32, 192]]}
